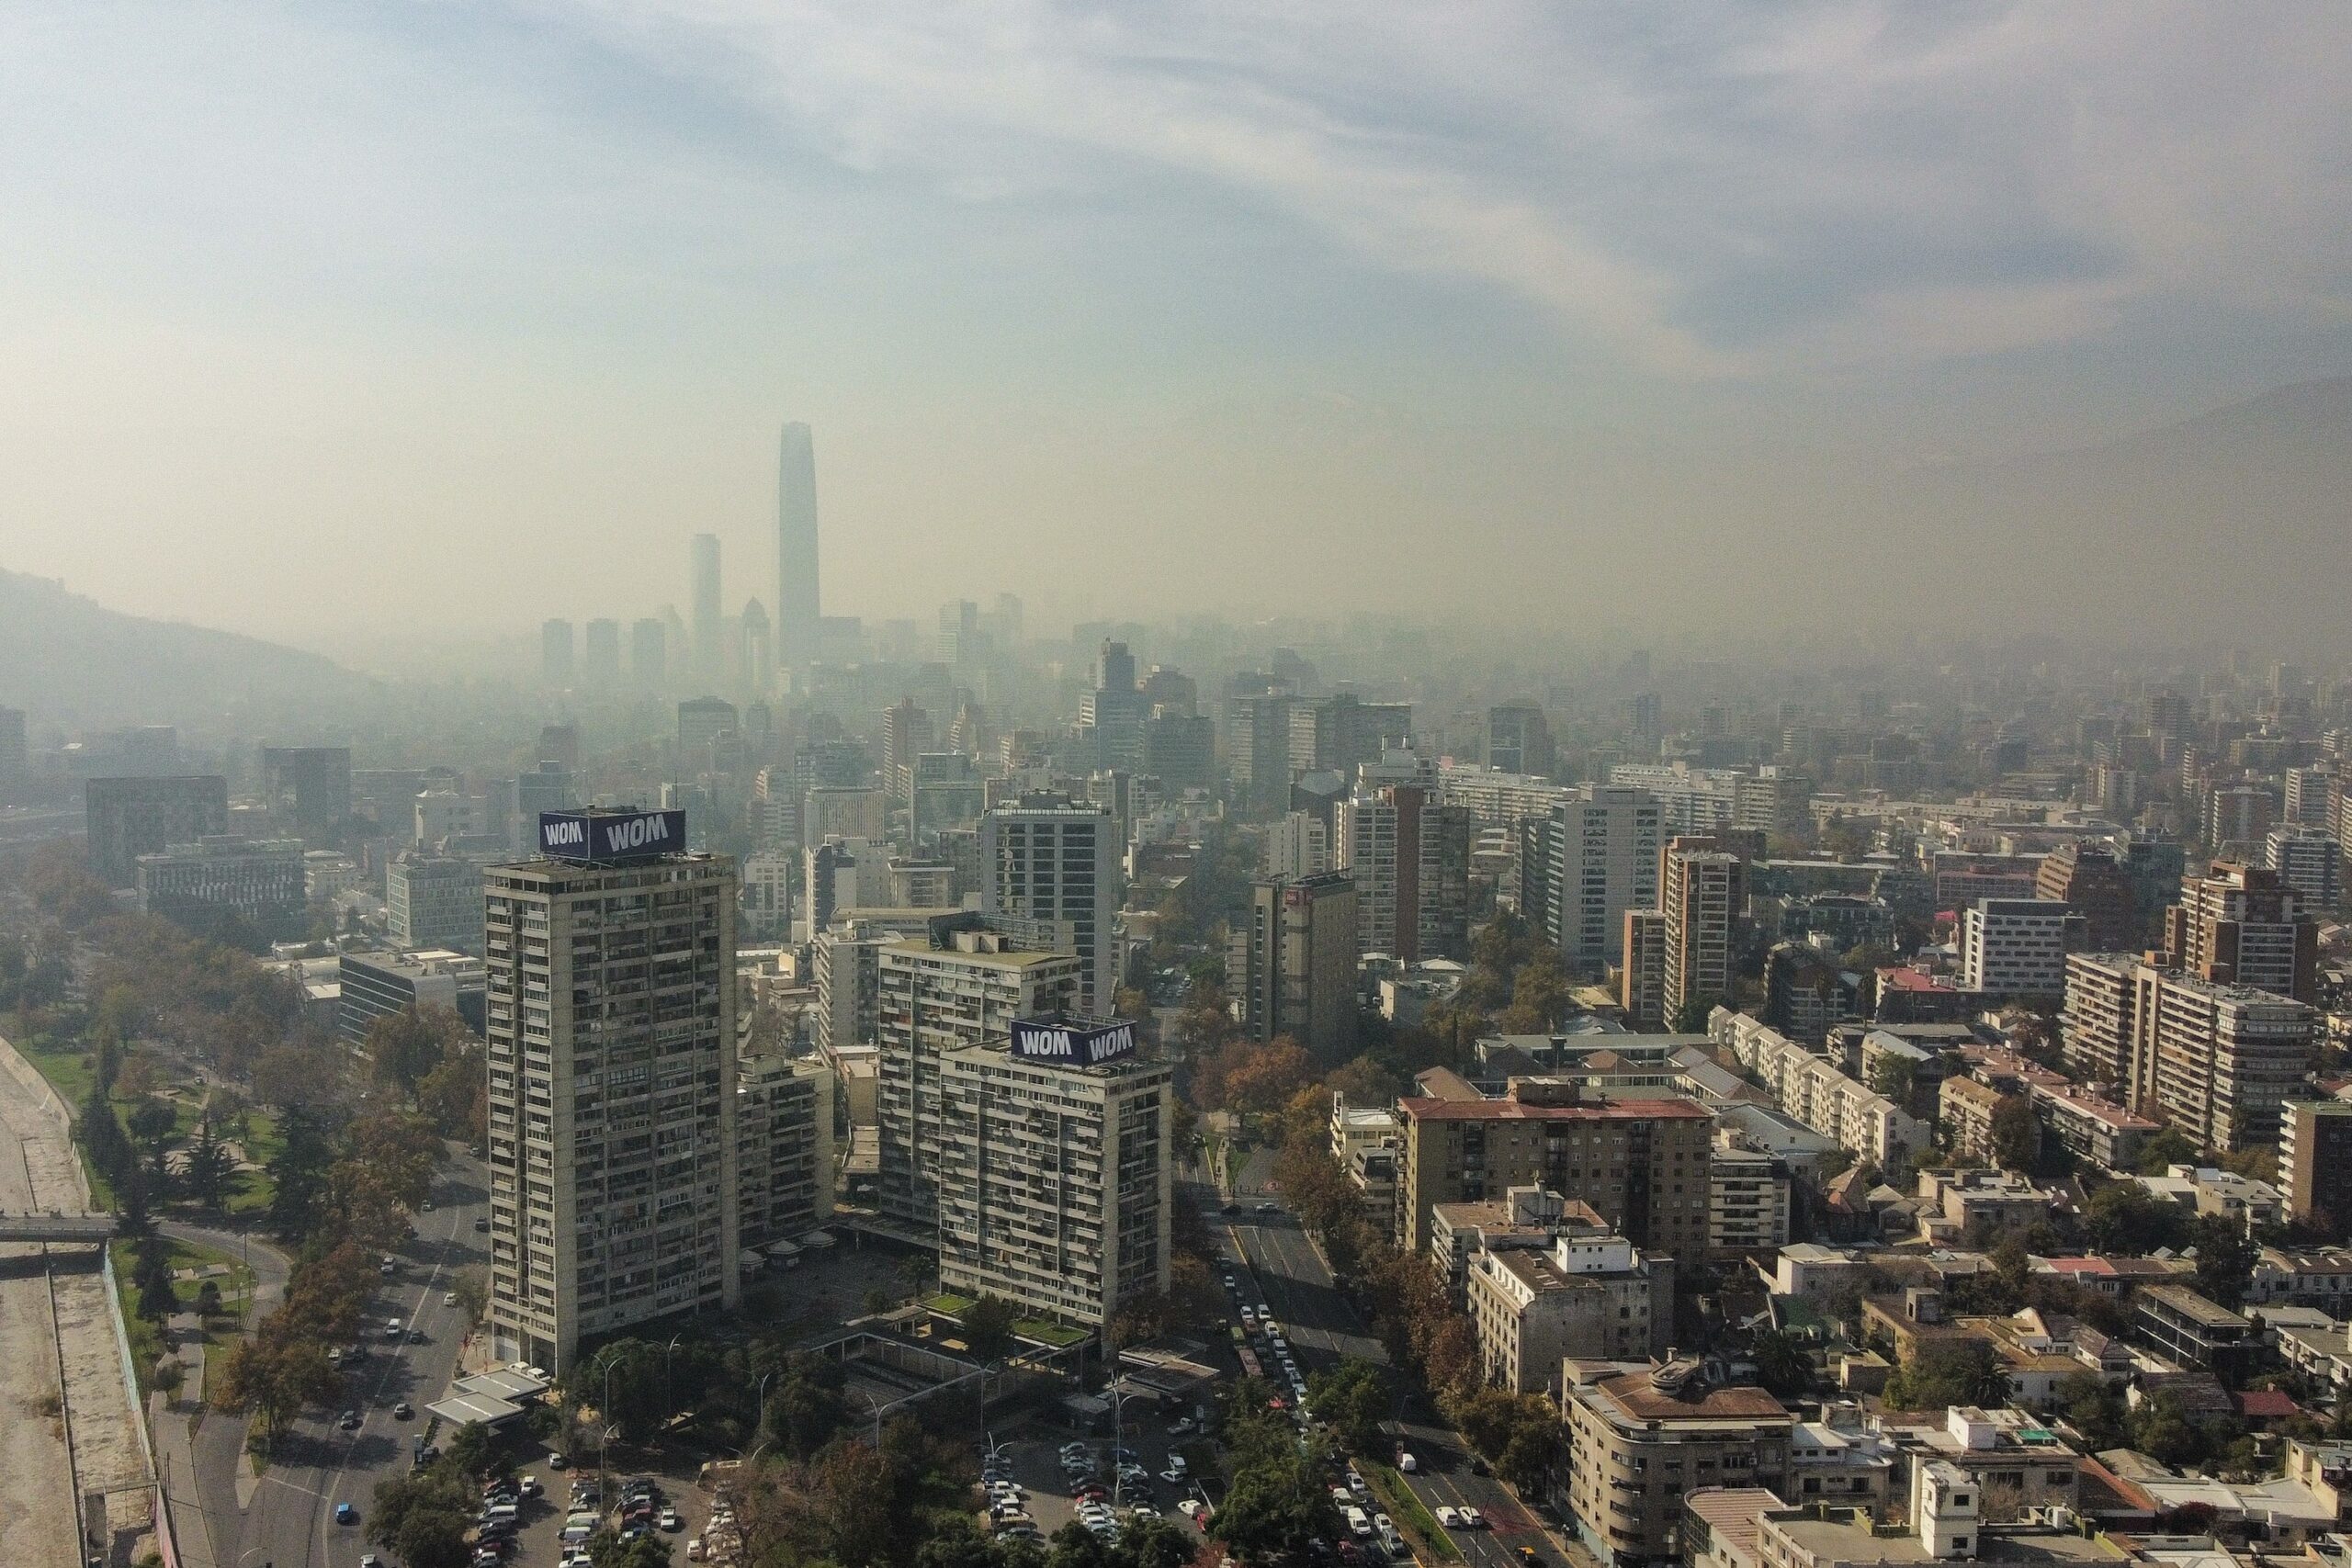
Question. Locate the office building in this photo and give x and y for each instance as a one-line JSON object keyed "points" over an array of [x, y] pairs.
{"points": [[1256, 750], [1640, 989], [1701, 891], [2309, 860], [797, 620], [1587, 1297], [2018, 947], [1638, 1435], [841, 877], [307, 788], [649, 654], [1292, 966], [1519, 739], [1594, 856], [433, 901], [1409, 859], [126, 818], [702, 720], [601, 662], [709, 646], [1054, 1171], [906, 731], [960, 987], [1342, 733], [555, 652], [944, 791], [2315, 1165], [260, 881], [378, 985], [547, 787], [2242, 925], [610, 1034], [783, 1150], [1642, 1164], [2090, 879], [1045, 857], [845, 811], [767, 896], [1179, 749]]}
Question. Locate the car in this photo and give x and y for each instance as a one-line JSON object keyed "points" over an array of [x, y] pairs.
{"points": [[403, 1411], [385, 1268], [481, 1225], [416, 1337], [1406, 1462], [448, 1298], [529, 1486], [1528, 1555], [1472, 1518], [1478, 1466], [670, 1521], [1269, 1208], [344, 1514], [1339, 1498], [556, 1459], [370, 1560], [1093, 1492], [392, 1329], [1278, 1403], [1182, 1424], [1448, 1517], [1357, 1485], [694, 1550], [1175, 1475], [335, 1357], [1228, 1282]]}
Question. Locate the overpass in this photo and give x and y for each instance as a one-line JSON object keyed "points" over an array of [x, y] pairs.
{"points": [[90, 1228]]}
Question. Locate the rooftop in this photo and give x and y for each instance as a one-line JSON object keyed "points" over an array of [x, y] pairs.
{"points": [[1843, 1537], [2192, 1306], [1637, 1395], [1419, 1109]]}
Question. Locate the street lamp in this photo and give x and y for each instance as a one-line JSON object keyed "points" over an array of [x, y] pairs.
{"points": [[762, 1425], [667, 1409]]}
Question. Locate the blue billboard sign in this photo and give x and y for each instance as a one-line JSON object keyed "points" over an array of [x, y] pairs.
{"points": [[603, 837], [1075, 1044]]}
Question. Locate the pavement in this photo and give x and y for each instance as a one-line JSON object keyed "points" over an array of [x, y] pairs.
{"points": [[1323, 1326], [286, 1520]]}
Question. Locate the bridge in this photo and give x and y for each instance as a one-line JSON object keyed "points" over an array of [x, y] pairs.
{"points": [[90, 1228]]}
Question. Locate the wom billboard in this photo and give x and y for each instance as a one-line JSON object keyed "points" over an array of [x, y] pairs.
{"points": [[1075, 1044], [608, 836]]}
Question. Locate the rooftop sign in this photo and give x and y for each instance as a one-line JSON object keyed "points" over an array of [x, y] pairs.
{"points": [[607, 838], [1077, 1045]]}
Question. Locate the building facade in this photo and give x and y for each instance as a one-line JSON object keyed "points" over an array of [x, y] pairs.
{"points": [[2244, 925], [784, 1149], [125, 818], [435, 901], [1700, 890], [1594, 856], [2315, 1165], [2018, 947], [1049, 858], [1638, 1437], [261, 881], [1292, 966], [1408, 857]]}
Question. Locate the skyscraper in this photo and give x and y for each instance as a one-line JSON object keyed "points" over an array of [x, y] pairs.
{"points": [[1699, 894], [649, 653], [1045, 857], [1594, 857], [759, 648], [797, 601], [611, 1046], [710, 644], [1293, 963], [1409, 859]]}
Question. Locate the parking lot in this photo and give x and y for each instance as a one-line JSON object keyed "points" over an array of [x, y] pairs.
{"points": [[1049, 1488], [540, 1518]]}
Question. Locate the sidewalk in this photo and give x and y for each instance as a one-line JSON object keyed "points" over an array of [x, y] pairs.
{"points": [[173, 1421]]}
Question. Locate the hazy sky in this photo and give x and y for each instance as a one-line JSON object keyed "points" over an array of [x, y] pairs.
{"points": [[326, 319]]}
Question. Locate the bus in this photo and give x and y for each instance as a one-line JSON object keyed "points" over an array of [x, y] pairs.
{"points": [[1250, 1367]]}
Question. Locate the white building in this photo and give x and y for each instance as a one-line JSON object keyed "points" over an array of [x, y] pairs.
{"points": [[1048, 858], [2308, 860], [1816, 1091], [1298, 845], [434, 902], [1592, 858], [2018, 947], [767, 894], [784, 1148], [610, 1024]]}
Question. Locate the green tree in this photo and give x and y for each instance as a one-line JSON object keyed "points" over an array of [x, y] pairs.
{"points": [[2125, 1218], [402, 1047], [212, 1170], [2161, 1429], [298, 1173], [2225, 1257], [422, 1517], [2017, 1135], [1893, 1076], [1945, 1374], [988, 1328], [152, 1273], [1781, 1363], [805, 1407], [152, 1121], [2171, 1146], [1352, 1397]]}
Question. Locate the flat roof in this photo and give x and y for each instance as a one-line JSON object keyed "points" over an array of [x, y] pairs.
{"points": [[461, 1408], [1507, 1110], [1638, 1397]]}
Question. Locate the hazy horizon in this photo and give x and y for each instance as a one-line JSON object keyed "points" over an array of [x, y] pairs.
{"points": [[337, 324]]}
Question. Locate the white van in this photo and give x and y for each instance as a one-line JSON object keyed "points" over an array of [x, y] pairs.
{"points": [[1407, 1463], [1359, 1523]]}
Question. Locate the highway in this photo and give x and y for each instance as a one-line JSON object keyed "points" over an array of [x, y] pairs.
{"points": [[1323, 1325], [290, 1521]]}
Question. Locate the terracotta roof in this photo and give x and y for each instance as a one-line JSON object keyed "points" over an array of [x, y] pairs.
{"points": [[1422, 1109], [2265, 1402], [1639, 1399]]}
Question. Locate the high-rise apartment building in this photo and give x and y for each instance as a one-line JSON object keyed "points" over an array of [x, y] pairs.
{"points": [[796, 598], [767, 895], [846, 957], [1701, 891], [601, 654], [1640, 989], [2090, 878], [1519, 739], [784, 1148], [960, 988], [2018, 947], [2096, 1026], [710, 643], [2219, 1061], [1046, 857], [1409, 859], [1293, 963], [649, 654], [702, 720], [2240, 813], [906, 732], [1298, 845], [1593, 857], [2242, 925], [1256, 750], [1054, 1172], [125, 818], [1342, 733], [610, 1023], [555, 652], [2308, 860], [2315, 1165], [2308, 790]]}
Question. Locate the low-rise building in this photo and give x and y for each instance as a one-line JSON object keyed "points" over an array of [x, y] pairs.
{"points": [[2013, 1451], [1818, 1092], [259, 881], [1845, 1465], [2318, 1277], [1587, 1298], [1807, 1271], [2196, 1332], [2209, 1190], [1522, 1217], [1640, 1436], [1960, 1200], [377, 984], [1968, 1109]]}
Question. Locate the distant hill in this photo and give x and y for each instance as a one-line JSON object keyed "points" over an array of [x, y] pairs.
{"points": [[71, 659], [2233, 525]]}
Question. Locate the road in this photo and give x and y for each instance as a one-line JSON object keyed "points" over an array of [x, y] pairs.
{"points": [[290, 1522], [1323, 1325]]}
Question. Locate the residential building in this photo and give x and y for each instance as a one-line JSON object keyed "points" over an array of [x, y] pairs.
{"points": [[767, 895], [1257, 750], [1342, 733], [1496, 799], [1747, 1200], [1594, 856], [259, 881], [1641, 981], [1641, 1164], [2315, 1165], [1817, 1092], [960, 987], [2189, 1329], [783, 1149], [2308, 860], [1047, 858], [2247, 1202], [1587, 1297], [2096, 1026], [2089, 878], [1700, 890], [2318, 1277], [2018, 947], [1639, 1437], [433, 901], [1054, 1172], [799, 618], [1806, 993], [2011, 1448], [1968, 1110], [610, 1033], [1292, 964], [2244, 925], [845, 811], [1408, 857], [126, 818], [2218, 1061], [378, 985], [846, 962]]}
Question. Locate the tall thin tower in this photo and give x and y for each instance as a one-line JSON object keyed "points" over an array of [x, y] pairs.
{"points": [[796, 548], [709, 642]]}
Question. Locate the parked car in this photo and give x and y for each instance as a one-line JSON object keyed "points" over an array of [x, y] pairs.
{"points": [[403, 1411], [344, 1514], [350, 1421]]}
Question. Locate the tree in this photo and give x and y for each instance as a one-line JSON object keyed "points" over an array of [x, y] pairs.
{"points": [[1893, 1076], [212, 1170], [2171, 1146], [2225, 1257], [805, 1407], [1781, 1363], [2017, 1135], [2125, 1218], [988, 1328], [422, 1517], [1945, 1374], [299, 1174], [1268, 1076], [1540, 993], [1352, 1397], [402, 1047], [152, 1121], [2161, 1429], [152, 1273]]}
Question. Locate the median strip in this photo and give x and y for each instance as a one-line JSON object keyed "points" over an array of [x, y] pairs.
{"points": [[1406, 1511]]}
